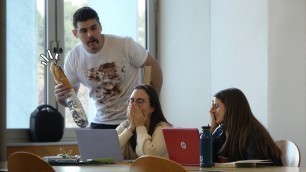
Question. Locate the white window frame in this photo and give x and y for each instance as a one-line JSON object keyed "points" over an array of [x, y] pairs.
{"points": [[54, 39]]}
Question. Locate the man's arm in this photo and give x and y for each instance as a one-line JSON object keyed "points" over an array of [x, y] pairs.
{"points": [[156, 74]]}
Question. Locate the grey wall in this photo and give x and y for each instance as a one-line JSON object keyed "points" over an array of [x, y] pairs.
{"points": [[287, 69], [3, 80]]}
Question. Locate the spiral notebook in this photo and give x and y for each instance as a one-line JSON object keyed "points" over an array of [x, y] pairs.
{"points": [[183, 145]]}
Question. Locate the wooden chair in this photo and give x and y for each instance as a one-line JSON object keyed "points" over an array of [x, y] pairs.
{"points": [[25, 161], [149, 163], [290, 153]]}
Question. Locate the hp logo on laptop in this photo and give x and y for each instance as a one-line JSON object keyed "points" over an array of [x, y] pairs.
{"points": [[183, 145]]}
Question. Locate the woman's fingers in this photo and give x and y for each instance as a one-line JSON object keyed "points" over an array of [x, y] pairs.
{"points": [[138, 116]]}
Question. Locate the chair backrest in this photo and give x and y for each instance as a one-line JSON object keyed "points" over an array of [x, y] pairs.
{"points": [[25, 161], [147, 75], [290, 153], [149, 163]]}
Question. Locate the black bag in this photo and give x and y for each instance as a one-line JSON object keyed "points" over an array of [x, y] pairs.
{"points": [[46, 124]]}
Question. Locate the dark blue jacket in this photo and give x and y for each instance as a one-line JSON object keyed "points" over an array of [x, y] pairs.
{"points": [[219, 138]]}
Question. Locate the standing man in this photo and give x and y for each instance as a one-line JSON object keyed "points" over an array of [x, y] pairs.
{"points": [[107, 66]]}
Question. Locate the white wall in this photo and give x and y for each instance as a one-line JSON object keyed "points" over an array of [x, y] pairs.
{"points": [[257, 46], [184, 54], [287, 69], [239, 50]]}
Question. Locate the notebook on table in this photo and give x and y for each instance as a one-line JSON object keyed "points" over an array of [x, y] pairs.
{"points": [[183, 145], [246, 163]]}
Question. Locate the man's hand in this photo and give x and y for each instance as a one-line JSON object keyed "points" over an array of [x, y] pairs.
{"points": [[61, 93]]}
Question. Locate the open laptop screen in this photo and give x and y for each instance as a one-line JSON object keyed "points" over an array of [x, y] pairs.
{"points": [[183, 145], [99, 144]]}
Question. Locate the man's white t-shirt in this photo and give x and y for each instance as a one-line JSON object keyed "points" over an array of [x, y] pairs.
{"points": [[109, 75]]}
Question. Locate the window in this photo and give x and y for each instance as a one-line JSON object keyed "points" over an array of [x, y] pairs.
{"points": [[33, 29], [25, 74]]}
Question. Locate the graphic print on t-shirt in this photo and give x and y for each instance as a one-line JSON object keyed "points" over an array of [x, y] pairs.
{"points": [[107, 78]]}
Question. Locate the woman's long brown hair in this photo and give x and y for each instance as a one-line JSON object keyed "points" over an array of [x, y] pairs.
{"points": [[241, 127]]}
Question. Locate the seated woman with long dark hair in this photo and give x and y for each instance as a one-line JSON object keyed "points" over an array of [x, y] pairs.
{"points": [[237, 134], [141, 134]]}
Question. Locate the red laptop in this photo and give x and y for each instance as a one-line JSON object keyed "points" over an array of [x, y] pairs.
{"points": [[183, 145]]}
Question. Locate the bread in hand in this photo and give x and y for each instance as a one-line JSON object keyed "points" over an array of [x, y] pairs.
{"points": [[59, 75]]}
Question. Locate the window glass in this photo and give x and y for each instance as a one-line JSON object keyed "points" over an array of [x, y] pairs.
{"points": [[118, 17], [26, 27], [25, 73]]}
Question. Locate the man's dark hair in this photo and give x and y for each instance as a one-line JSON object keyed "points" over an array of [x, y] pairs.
{"points": [[83, 14]]}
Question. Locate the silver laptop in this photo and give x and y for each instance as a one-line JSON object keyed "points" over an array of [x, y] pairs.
{"points": [[99, 144]]}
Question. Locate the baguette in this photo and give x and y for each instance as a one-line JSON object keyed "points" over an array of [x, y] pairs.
{"points": [[59, 76], [78, 114]]}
